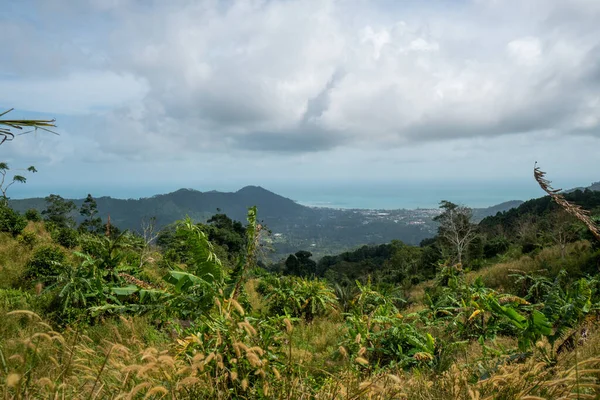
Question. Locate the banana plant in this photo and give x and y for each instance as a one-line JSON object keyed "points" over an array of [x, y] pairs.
{"points": [[190, 291]]}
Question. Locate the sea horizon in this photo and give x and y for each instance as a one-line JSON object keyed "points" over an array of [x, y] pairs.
{"points": [[342, 195]]}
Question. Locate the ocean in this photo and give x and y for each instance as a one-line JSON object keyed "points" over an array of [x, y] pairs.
{"points": [[364, 195], [407, 195]]}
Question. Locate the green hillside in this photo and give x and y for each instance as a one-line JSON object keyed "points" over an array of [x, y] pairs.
{"points": [[501, 308], [295, 227]]}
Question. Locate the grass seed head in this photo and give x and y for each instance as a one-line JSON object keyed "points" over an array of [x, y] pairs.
{"points": [[12, 380]]}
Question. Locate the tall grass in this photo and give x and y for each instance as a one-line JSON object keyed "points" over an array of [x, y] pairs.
{"points": [[116, 362]]}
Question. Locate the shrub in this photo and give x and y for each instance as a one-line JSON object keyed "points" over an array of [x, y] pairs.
{"points": [[298, 297], [33, 215], [66, 237], [11, 221], [14, 299], [497, 245], [45, 264], [28, 239]]}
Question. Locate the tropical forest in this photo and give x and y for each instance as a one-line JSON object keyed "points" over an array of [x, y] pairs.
{"points": [[505, 308]]}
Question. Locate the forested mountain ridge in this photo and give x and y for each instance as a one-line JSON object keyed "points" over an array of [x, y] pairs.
{"points": [[535, 209], [166, 208], [295, 227]]}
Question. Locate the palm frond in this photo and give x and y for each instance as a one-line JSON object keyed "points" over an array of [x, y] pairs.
{"points": [[8, 126]]}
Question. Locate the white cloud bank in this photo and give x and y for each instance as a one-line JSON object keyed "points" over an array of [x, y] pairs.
{"points": [[160, 81]]}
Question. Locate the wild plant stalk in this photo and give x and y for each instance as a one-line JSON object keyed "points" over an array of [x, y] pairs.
{"points": [[100, 371], [559, 198], [252, 241]]}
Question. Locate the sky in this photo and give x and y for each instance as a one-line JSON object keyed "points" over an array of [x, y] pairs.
{"points": [[151, 96]]}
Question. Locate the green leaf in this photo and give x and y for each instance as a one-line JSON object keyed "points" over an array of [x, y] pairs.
{"points": [[182, 280], [541, 323], [125, 291], [152, 295]]}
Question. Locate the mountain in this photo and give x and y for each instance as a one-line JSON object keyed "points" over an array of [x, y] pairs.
{"points": [[595, 186], [536, 209], [128, 214], [481, 213], [295, 227]]}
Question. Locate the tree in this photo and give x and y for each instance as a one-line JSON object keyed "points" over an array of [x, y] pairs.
{"points": [[11, 221], [16, 178], [58, 211], [89, 210], [149, 235], [226, 232], [405, 263], [300, 264], [561, 230], [456, 231]]}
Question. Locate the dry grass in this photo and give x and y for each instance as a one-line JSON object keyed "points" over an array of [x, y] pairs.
{"points": [[14, 255], [498, 277], [39, 363]]}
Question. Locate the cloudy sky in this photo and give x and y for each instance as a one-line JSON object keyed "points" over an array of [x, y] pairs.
{"points": [[150, 96]]}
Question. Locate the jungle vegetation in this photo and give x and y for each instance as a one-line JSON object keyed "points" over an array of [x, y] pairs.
{"points": [[503, 309]]}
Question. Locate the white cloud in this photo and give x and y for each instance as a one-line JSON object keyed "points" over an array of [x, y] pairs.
{"points": [[525, 51], [263, 80]]}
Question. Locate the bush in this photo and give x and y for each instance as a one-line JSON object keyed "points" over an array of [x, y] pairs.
{"points": [[28, 239], [14, 299], [497, 245], [11, 221], [297, 297], [66, 237], [45, 264], [33, 215]]}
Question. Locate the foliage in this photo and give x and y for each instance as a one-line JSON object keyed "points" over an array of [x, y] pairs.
{"points": [[497, 245], [191, 291], [28, 239], [75, 289], [58, 212], [8, 127], [300, 264], [33, 215], [379, 334], [245, 355], [89, 211], [456, 231], [10, 220], [225, 232], [46, 264], [459, 337], [297, 297], [14, 299], [66, 237], [107, 251], [4, 186]]}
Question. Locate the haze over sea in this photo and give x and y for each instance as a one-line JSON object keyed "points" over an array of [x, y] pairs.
{"points": [[408, 195], [364, 195]]}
